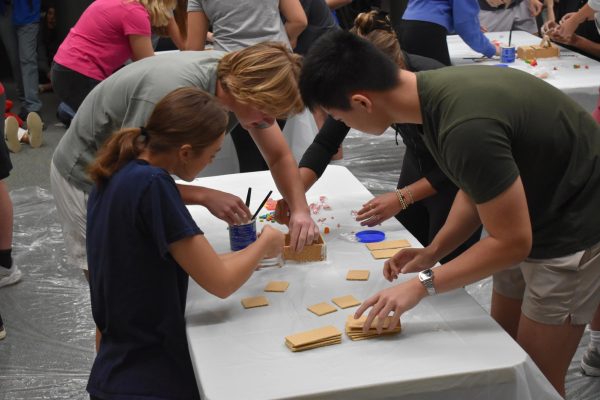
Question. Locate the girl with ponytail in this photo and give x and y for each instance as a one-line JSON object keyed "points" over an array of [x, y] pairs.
{"points": [[142, 245]]}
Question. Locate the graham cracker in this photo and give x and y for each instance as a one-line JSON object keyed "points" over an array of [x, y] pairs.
{"points": [[277, 286], [258, 301], [388, 244], [315, 346], [385, 253], [313, 336], [322, 309], [316, 251], [358, 275], [354, 328], [345, 301]]}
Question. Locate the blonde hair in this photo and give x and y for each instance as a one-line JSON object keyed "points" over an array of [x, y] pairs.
{"points": [[376, 28], [184, 116], [264, 76], [160, 11]]}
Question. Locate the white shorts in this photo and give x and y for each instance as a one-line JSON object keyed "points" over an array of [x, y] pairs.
{"points": [[71, 204], [503, 19]]}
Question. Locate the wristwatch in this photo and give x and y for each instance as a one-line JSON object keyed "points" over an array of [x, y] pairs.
{"points": [[426, 278]]}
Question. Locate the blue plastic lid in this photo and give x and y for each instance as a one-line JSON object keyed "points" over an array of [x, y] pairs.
{"points": [[370, 236], [500, 65]]}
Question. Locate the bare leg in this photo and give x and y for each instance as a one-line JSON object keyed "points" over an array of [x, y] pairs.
{"points": [[507, 312], [595, 324], [551, 347], [6, 218]]}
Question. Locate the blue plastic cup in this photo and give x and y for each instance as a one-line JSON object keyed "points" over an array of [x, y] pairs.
{"points": [[507, 54], [242, 236]]}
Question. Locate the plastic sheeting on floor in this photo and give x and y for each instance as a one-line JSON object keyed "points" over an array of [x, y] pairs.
{"points": [[49, 348]]}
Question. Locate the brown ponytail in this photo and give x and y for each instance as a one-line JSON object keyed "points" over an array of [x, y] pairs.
{"points": [[184, 116], [376, 28]]}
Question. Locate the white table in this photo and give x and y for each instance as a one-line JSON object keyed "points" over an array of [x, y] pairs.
{"points": [[580, 84], [449, 348]]}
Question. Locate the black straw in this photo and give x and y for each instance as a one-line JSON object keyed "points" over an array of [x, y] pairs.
{"points": [[248, 197], [510, 33], [261, 205]]}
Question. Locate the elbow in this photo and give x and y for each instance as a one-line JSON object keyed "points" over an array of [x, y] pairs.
{"points": [[521, 246], [302, 24], [224, 292], [226, 289]]}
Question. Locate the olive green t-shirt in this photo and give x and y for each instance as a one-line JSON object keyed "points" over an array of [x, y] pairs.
{"points": [[486, 126]]}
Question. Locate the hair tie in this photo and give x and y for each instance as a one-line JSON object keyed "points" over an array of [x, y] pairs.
{"points": [[382, 22], [144, 133]]}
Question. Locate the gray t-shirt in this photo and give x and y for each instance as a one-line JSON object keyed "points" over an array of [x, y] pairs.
{"points": [[237, 24], [126, 99]]}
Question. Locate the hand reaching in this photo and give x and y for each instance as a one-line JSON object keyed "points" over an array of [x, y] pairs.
{"points": [[275, 240], [396, 300], [227, 207], [303, 230], [408, 260], [379, 209]]}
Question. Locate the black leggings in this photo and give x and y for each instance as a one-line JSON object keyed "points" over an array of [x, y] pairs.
{"points": [[247, 151], [425, 218], [70, 86], [425, 39]]}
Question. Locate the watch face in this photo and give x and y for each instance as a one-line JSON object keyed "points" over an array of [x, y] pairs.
{"points": [[426, 274]]}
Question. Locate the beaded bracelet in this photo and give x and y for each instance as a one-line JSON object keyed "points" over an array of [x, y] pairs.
{"points": [[410, 195], [401, 199]]}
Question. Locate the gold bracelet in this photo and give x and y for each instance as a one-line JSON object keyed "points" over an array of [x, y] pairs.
{"points": [[401, 199], [410, 195]]}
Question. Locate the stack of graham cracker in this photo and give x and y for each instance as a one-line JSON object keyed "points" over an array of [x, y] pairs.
{"points": [[354, 328], [387, 249], [312, 339]]}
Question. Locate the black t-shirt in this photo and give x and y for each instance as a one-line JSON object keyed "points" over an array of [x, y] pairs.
{"points": [[138, 291], [486, 126]]}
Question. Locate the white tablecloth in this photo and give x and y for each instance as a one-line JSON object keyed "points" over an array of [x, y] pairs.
{"points": [[581, 84], [449, 348]]}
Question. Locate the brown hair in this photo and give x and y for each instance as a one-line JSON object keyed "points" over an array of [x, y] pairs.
{"points": [[376, 28], [264, 76], [184, 116]]}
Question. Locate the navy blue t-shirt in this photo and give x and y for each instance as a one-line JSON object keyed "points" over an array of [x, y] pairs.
{"points": [[138, 291]]}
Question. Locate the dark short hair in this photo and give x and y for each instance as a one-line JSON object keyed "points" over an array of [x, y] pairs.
{"points": [[340, 63]]}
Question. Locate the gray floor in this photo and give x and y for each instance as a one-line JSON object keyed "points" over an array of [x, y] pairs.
{"points": [[49, 348]]}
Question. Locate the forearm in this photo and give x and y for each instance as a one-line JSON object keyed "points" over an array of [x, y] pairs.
{"points": [[308, 178], [295, 18], [483, 259], [333, 4], [289, 183], [461, 223], [240, 265], [197, 28], [193, 195], [586, 45], [418, 190], [175, 34], [293, 29], [550, 16]]}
